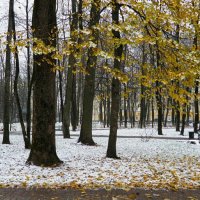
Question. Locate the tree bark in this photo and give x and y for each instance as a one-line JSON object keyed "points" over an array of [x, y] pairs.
{"points": [[73, 104], [142, 96], [111, 150], [69, 96], [196, 107], [125, 109], [28, 103], [108, 102], [67, 104], [43, 149], [6, 112], [178, 114], [152, 112], [17, 99], [167, 112], [88, 94], [61, 94], [104, 112], [183, 120], [196, 89], [159, 97]]}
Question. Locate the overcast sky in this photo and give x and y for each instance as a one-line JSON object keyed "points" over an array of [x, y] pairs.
{"points": [[19, 8]]}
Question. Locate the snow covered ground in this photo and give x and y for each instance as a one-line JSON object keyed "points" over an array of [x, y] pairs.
{"points": [[144, 163], [99, 130]]}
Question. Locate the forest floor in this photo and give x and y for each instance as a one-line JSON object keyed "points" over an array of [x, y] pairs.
{"points": [[145, 162]]}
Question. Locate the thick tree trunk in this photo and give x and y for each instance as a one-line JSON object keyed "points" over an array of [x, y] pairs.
{"points": [[43, 149], [6, 112], [88, 94], [111, 150]]}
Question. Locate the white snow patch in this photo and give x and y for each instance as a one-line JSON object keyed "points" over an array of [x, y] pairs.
{"points": [[156, 163]]}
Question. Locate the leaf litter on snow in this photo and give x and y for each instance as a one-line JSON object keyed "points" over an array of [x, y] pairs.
{"points": [[152, 164]]}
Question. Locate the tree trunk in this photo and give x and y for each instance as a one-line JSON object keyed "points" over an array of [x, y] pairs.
{"points": [[188, 114], [178, 114], [73, 104], [142, 108], [159, 106], [196, 107], [115, 102], [129, 112], [25, 137], [104, 112], [28, 103], [88, 94], [79, 98], [183, 120], [120, 115], [196, 89], [148, 112], [67, 104], [6, 112], [61, 93], [80, 79], [159, 97], [70, 77], [125, 109], [152, 112], [101, 110], [142, 96], [108, 103], [125, 114], [167, 112], [43, 149], [173, 114], [73, 97]]}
